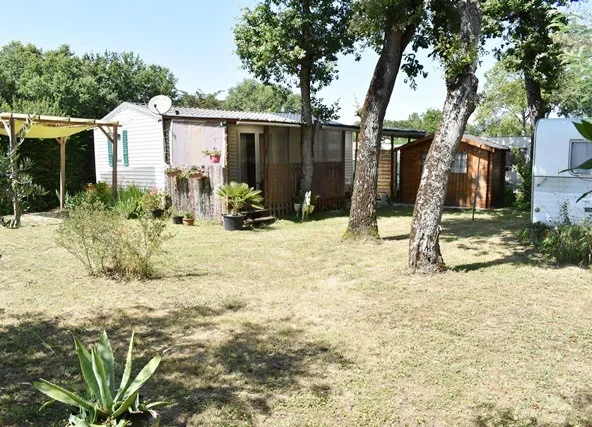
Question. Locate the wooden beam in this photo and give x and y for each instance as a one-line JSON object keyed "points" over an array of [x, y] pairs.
{"points": [[16, 222], [107, 134], [392, 168], [62, 141], [266, 164], [356, 156], [114, 170]]}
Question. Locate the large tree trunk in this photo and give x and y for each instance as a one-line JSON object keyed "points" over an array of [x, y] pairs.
{"points": [[307, 129], [536, 106], [362, 217], [461, 97]]}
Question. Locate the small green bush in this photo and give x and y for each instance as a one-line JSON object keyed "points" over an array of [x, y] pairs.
{"points": [[566, 243], [108, 244], [130, 201]]}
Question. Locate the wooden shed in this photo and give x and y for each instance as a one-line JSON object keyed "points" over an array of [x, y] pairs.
{"points": [[478, 169]]}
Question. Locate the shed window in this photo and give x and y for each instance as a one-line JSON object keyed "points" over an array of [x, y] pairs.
{"points": [[460, 163], [580, 152]]}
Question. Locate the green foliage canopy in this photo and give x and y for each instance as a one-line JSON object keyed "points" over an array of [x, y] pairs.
{"points": [[251, 95]]}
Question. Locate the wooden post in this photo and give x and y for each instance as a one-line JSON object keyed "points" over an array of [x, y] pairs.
{"points": [[392, 168], [16, 222], [114, 141], [266, 165], [62, 141], [356, 156]]}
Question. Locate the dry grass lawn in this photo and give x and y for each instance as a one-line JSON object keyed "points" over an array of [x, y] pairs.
{"points": [[292, 327]]}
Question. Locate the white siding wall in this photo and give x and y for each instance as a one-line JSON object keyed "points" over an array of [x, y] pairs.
{"points": [[551, 189], [145, 150]]}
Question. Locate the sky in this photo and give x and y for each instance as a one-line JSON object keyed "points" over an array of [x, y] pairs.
{"points": [[194, 40]]}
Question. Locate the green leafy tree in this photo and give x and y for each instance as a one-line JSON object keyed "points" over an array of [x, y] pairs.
{"points": [[388, 26], [200, 99], [454, 33], [527, 28], [503, 110], [427, 121], [296, 42], [251, 95], [573, 97]]}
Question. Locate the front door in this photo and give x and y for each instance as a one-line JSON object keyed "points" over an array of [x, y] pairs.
{"points": [[248, 159]]}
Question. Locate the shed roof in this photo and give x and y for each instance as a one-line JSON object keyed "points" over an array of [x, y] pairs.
{"points": [[264, 117], [475, 141]]}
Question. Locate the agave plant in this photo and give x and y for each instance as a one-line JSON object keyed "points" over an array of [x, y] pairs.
{"points": [[240, 196], [104, 405]]}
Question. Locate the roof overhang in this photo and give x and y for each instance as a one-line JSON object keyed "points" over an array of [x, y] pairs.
{"points": [[467, 139], [44, 127]]}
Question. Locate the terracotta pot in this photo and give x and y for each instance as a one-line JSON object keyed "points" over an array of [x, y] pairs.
{"points": [[188, 221], [215, 159], [196, 175]]}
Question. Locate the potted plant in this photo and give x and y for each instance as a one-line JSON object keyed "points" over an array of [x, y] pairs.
{"points": [[188, 218], [194, 172], [173, 171], [297, 202], [214, 154], [178, 218], [237, 198], [314, 198], [153, 202]]}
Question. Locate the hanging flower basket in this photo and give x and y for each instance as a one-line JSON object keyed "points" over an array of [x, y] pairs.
{"points": [[215, 159], [173, 171]]}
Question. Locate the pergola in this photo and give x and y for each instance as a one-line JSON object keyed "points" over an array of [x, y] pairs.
{"points": [[17, 126]]}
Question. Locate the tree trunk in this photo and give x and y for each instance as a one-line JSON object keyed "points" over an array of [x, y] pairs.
{"points": [[536, 106], [307, 130], [461, 98], [362, 217]]}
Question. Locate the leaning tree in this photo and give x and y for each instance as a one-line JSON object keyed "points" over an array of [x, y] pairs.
{"points": [[388, 26], [454, 31], [296, 42]]}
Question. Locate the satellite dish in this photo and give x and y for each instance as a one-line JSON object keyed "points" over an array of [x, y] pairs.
{"points": [[160, 104]]}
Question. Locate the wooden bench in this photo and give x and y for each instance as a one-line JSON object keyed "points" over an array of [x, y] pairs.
{"points": [[259, 218]]}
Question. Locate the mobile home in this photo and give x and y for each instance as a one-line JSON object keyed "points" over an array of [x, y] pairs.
{"points": [[559, 146]]}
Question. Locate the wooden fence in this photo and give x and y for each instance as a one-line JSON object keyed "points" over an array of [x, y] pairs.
{"points": [[198, 195], [283, 184]]}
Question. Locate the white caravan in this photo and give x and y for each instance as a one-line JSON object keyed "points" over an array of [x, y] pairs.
{"points": [[559, 146]]}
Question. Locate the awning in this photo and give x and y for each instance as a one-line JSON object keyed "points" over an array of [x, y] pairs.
{"points": [[48, 127], [58, 128]]}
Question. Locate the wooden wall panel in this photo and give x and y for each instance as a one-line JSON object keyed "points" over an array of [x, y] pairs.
{"points": [[461, 187]]}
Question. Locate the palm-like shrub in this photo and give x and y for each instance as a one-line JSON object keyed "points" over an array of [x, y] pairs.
{"points": [[239, 197], [104, 405]]}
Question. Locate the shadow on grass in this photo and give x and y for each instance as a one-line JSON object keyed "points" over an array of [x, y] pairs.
{"points": [[492, 416], [211, 374]]}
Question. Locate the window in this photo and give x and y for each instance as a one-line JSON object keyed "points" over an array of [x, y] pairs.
{"points": [[580, 152], [460, 163]]}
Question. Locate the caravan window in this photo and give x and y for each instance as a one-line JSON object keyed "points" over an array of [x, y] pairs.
{"points": [[580, 152]]}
